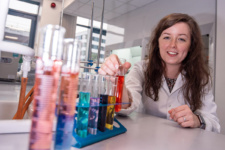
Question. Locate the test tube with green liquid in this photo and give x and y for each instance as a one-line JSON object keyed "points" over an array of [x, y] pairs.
{"points": [[83, 105]]}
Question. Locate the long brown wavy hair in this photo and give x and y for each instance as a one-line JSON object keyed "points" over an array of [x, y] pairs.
{"points": [[194, 67]]}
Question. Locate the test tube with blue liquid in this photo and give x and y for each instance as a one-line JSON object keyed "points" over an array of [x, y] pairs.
{"points": [[68, 94], [104, 91], [83, 105], [94, 106]]}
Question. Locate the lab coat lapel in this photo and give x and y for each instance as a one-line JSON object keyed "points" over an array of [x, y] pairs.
{"points": [[179, 83], [165, 86]]}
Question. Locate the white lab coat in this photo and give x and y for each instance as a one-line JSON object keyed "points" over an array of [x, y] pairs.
{"points": [[142, 103]]}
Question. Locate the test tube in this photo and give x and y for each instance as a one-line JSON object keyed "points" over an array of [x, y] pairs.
{"points": [[48, 67], [84, 103], [120, 75], [111, 102], [68, 94], [104, 91], [94, 106]]}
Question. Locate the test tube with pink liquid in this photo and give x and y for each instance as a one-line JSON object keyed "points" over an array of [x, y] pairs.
{"points": [[48, 67]]}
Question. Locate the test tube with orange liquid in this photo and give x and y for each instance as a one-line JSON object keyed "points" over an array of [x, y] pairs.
{"points": [[111, 102]]}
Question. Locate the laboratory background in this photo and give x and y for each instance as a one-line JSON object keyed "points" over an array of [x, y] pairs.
{"points": [[123, 28]]}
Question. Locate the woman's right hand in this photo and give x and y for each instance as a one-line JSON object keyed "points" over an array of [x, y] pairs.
{"points": [[111, 65]]}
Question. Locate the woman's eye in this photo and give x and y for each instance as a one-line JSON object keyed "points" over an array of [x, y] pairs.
{"points": [[181, 39], [166, 37]]}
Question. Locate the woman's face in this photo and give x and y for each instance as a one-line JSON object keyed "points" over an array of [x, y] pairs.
{"points": [[174, 44]]}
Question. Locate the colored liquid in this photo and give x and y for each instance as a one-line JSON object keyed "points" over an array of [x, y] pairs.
{"points": [[119, 92], [75, 122], [102, 112], [110, 112], [45, 93], [64, 132], [93, 116], [68, 94], [82, 117]]}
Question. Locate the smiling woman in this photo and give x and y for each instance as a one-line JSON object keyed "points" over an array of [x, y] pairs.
{"points": [[176, 54], [176, 47]]}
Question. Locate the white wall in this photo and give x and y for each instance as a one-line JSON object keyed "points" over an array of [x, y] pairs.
{"points": [[220, 69], [50, 15], [69, 23], [138, 24], [47, 15], [68, 2]]}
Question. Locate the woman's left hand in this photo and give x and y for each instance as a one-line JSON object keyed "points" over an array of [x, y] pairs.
{"points": [[184, 116]]}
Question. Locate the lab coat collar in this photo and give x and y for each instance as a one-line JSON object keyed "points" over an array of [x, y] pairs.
{"points": [[178, 84]]}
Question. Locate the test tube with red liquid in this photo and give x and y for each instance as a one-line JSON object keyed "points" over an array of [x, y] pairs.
{"points": [[48, 67], [120, 75]]}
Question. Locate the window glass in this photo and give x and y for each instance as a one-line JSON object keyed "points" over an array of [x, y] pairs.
{"points": [[97, 24], [17, 29], [80, 29], [83, 34], [82, 21], [24, 7]]}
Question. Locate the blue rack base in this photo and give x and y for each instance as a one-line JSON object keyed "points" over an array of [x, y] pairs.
{"points": [[79, 142]]}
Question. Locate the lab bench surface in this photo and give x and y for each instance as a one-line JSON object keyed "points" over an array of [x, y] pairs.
{"points": [[143, 132]]}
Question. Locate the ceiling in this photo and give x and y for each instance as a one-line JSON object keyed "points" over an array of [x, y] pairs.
{"points": [[113, 8]]}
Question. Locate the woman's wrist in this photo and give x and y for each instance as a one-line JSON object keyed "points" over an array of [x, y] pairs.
{"points": [[197, 121], [126, 98], [201, 121]]}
